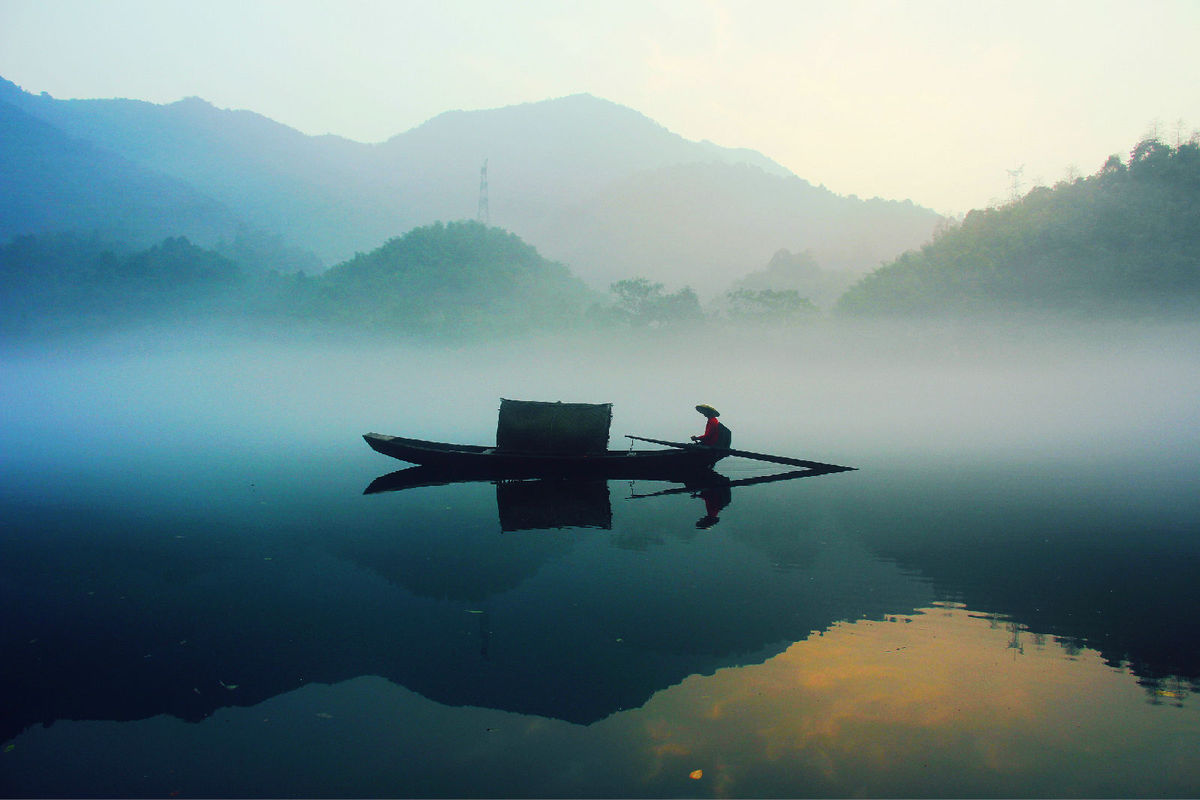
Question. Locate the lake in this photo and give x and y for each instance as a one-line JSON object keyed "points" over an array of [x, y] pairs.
{"points": [[200, 599]]}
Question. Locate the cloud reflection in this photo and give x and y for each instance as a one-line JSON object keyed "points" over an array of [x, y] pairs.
{"points": [[937, 704]]}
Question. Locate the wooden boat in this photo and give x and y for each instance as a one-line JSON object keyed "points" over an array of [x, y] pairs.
{"points": [[483, 460], [543, 439], [547, 439]]}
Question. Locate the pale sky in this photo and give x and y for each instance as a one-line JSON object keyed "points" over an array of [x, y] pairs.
{"points": [[930, 101]]}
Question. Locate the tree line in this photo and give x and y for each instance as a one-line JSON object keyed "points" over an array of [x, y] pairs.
{"points": [[1124, 241], [457, 279]]}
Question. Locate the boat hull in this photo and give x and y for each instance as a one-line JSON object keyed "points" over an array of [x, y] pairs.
{"points": [[485, 461]]}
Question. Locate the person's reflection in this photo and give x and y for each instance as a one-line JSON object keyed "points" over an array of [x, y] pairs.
{"points": [[715, 498]]}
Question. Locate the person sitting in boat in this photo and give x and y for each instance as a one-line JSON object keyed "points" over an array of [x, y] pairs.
{"points": [[715, 433]]}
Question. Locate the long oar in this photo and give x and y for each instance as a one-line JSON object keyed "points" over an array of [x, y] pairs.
{"points": [[795, 462], [783, 476]]}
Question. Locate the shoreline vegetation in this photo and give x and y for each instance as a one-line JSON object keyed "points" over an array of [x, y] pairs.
{"points": [[1120, 245]]}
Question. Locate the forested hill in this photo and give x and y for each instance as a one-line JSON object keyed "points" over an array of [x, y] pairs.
{"points": [[1123, 241], [455, 278], [57, 282]]}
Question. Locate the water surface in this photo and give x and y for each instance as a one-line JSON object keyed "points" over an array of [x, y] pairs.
{"points": [[200, 600]]}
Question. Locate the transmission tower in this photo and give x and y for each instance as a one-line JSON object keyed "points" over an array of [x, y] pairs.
{"points": [[484, 215], [1015, 183]]}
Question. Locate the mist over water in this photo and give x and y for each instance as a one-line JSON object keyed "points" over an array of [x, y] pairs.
{"points": [[196, 499], [835, 390]]}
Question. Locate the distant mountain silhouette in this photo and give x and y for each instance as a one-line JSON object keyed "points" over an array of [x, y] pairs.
{"points": [[801, 273], [709, 224], [271, 176], [52, 182], [552, 152], [590, 183]]}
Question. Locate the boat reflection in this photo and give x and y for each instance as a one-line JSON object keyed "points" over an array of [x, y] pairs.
{"points": [[555, 503], [541, 504], [717, 491]]}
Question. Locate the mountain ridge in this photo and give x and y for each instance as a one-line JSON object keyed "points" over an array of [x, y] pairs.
{"points": [[55, 182], [552, 164]]}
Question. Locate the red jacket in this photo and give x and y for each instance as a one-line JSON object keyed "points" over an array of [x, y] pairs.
{"points": [[711, 437]]}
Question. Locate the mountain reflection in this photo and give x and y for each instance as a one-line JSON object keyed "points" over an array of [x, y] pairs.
{"points": [[936, 703], [1082, 570], [570, 600], [928, 704], [424, 591]]}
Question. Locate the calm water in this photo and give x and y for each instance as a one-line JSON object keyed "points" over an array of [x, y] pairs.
{"points": [[200, 600]]}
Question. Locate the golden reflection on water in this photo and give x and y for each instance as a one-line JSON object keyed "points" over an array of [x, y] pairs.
{"points": [[946, 702], [943, 702]]}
